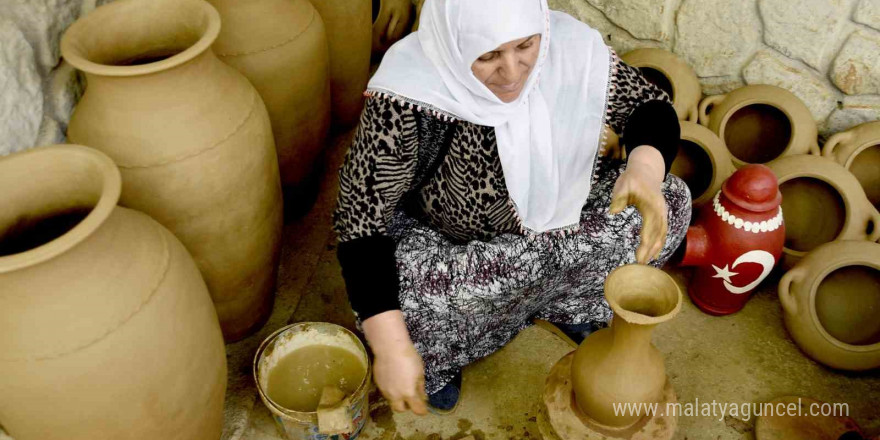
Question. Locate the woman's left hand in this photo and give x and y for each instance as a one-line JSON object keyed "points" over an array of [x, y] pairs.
{"points": [[640, 185]]}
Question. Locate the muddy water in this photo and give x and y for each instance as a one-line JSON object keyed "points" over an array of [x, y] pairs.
{"points": [[299, 377]]}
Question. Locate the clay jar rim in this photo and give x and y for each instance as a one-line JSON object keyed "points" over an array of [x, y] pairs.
{"points": [[643, 273], [74, 42], [274, 336], [72, 156], [799, 276], [702, 136], [639, 58]]}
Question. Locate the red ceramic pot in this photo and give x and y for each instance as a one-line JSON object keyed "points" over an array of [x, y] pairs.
{"points": [[736, 241]]}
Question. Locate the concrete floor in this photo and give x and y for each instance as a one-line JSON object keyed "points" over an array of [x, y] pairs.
{"points": [[746, 357]]}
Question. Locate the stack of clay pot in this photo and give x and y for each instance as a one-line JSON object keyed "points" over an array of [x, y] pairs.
{"points": [[394, 20], [281, 47], [192, 139], [108, 330]]}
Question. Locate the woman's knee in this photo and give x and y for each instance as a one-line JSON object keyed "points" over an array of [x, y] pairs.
{"points": [[678, 200]]}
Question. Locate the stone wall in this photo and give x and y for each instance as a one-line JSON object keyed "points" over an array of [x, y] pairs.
{"points": [[825, 51]]}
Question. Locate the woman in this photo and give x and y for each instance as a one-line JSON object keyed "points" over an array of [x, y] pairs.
{"points": [[473, 199]]}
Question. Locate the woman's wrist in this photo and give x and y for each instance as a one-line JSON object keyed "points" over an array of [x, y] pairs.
{"points": [[649, 161], [386, 333]]}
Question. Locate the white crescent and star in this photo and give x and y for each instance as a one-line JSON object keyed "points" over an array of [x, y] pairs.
{"points": [[764, 258]]}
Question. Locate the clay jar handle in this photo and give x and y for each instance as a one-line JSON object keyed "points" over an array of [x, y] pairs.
{"points": [[704, 106], [786, 297], [833, 142], [873, 228]]}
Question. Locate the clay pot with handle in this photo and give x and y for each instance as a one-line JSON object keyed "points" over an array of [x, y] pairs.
{"points": [[108, 330], [858, 150], [192, 139], [760, 123], [394, 21], [281, 47], [822, 202], [673, 75], [620, 364], [702, 162], [831, 299]]}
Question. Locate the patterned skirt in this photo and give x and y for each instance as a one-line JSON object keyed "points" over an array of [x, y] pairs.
{"points": [[462, 302]]}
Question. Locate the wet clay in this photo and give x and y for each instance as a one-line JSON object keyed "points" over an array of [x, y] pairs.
{"points": [[866, 168], [27, 234], [757, 133], [814, 213], [297, 381], [847, 304], [694, 166]]}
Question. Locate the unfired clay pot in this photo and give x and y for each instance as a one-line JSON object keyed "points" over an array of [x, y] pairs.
{"points": [[822, 202], [858, 150], [192, 139], [619, 364], [831, 300], [349, 33], [760, 123], [702, 162], [108, 329], [673, 75], [281, 47], [395, 16]]}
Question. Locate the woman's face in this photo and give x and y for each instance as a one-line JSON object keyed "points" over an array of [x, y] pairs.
{"points": [[505, 70]]}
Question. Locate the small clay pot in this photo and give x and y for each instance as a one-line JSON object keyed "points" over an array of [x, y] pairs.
{"points": [[830, 299], [858, 150], [395, 16], [702, 162], [673, 75], [822, 202], [760, 123]]}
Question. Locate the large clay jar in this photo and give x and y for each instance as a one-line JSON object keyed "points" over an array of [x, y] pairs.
{"points": [[619, 365], [350, 35], [192, 139], [858, 150], [394, 21], [673, 75], [822, 202], [702, 162], [831, 299], [281, 47], [760, 123], [108, 329]]}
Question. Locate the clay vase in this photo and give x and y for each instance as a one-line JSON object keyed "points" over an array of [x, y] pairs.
{"points": [[822, 202], [830, 301], [760, 123], [192, 139], [108, 329], [349, 34], [619, 364], [858, 150], [671, 74], [736, 241], [281, 47], [395, 16], [702, 162]]}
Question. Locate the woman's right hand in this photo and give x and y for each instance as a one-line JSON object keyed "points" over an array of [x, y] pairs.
{"points": [[397, 367]]}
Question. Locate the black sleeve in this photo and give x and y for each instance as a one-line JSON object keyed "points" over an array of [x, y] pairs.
{"points": [[370, 272]]}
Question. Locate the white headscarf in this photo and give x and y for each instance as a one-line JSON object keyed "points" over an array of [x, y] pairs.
{"points": [[548, 137]]}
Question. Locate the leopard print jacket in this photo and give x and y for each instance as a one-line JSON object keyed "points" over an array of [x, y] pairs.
{"points": [[391, 164]]}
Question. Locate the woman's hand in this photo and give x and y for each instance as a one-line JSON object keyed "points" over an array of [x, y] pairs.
{"points": [[640, 185], [397, 367]]}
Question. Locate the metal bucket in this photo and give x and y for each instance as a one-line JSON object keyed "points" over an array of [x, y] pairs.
{"points": [[296, 425]]}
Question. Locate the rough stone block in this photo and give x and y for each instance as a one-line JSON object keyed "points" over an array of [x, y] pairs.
{"points": [[63, 88], [856, 69], [716, 85], [50, 133], [803, 29], [771, 68], [644, 19], [853, 110], [614, 36], [43, 22], [21, 100], [717, 36], [868, 13]]}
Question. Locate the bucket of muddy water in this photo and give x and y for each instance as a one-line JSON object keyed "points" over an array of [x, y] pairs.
{"points": [[296, 366]]}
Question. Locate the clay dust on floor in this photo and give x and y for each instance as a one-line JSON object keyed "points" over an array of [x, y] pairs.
{"points": [[738, 359]]}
